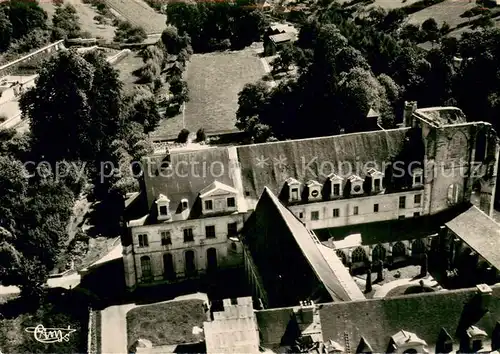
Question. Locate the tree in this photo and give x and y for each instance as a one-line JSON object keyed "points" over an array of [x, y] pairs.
{"points": [[430, 29], [183, 136], [251, 100], [65, 23], [173, 42], [142, 108], [13, 189], [149, 72], [180, 90], [200, 135], [6, 29], [285, 58], [128, 33], [25, 16], [368, 279], [154, 53]]}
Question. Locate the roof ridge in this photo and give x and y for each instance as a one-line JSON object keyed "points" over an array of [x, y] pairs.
{"points": [[386, 131]]}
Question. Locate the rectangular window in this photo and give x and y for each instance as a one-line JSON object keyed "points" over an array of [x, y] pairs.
{"points": [[163, 210], [416, 214], [355, 211], [143, 240], [231, 203], [314, 215], [295, 194], [336, 213], [375, 208], [417, 199], [418, 179], [166, 238], [376, 185], [210, 231], [402, 202], [232, 229], [188, 235], [209, 205], [301, 215], [336, 189]]}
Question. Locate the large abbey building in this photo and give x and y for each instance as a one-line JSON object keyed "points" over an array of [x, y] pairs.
{"points": [[199, 213]]}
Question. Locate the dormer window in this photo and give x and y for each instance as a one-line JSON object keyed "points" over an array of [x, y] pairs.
{"points": [[162, 203], [407, 342], [336, 185], [184, 204], [476, 337], [376, 179], [294, 187], [218, 197], [356, 185], [418, 177], [314, 190]]}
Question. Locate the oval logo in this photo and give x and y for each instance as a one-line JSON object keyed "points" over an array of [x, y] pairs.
{"points": [[314, 193]]}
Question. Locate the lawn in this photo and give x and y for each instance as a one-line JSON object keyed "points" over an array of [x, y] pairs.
{"points": [[448, 11], [214, 81], [168, 323], [126, 67], [140, 14], [86, 15]]}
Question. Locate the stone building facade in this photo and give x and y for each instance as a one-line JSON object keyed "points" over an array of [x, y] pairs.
{"points": [[201, 199]]}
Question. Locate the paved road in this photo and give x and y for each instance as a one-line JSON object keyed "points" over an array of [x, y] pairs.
{"points": [[114, 324]]}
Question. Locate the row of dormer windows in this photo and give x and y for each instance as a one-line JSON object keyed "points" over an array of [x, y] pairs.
{"points": [[230, 203], [188, 236], [337, 184], [417, 200]]}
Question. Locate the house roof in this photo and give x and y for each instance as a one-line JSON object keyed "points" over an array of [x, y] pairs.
{"points": [[216, 185], [314, 158], [423, 314], [187, 174], [480, 232], [331, 274], [283, 37]]}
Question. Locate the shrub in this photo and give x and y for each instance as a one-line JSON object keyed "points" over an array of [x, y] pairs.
{"points": [[183, 136], [128, 33], [200, 135]]}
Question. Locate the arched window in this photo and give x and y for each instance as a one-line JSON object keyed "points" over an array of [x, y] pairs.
{"points": [[410, 351], [147, 274], [398, 250], [341, 254], [417, 248], [211, 259], [190, 264], [378, 253], [359, 255], [168, 266]]}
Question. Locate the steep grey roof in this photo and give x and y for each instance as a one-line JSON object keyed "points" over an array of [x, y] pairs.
{"points": [[333, 275], [188, 173], [480, 232], [423, 314], [314, 158], [283, 37]]}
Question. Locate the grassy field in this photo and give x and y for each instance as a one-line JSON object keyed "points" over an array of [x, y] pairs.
{"points": [[448, 11], [140, 14], [167, 323], [126, 67], [86, 14], [214, 81]]}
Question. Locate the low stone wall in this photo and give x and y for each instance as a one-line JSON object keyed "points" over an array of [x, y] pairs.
{"points": [[115, 59], [9, 68]]}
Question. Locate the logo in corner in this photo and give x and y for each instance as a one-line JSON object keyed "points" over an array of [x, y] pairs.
{"points": [[50, 335]]}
